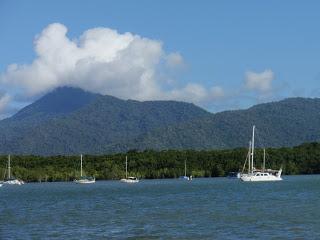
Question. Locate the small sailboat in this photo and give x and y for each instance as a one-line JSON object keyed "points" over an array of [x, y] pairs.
{"points": [[129, 179], [185, 177], [256, 175], [11, 180], [84, 179]]}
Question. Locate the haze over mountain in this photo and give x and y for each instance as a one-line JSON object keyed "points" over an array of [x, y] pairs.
{"points": [[73, 121]]}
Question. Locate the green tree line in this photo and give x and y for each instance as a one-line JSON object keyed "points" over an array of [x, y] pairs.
{"points": [[149, 164]]}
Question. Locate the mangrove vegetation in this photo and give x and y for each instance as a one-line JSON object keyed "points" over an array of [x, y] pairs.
{"points": [[149, 164]]}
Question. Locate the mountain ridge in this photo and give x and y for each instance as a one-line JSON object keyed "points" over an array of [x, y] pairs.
{"points": [[69, 121], [91, 126]]}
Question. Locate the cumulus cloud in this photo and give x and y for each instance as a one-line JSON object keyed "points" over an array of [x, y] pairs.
{"points": [[104, 61], [4, 101], [101, 60], [261, 82]]}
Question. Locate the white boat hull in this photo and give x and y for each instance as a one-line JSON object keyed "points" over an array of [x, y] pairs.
{"points": [[254, 178], [14, 182], [84, 181], [186, 178], [124, 180]]}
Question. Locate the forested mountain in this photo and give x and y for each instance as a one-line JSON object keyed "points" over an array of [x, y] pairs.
{"points": [[71, 121], [285, 123], [79, 121]]}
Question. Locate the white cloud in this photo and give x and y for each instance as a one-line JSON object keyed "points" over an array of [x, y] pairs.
{"points": [[101, 60], [196, 93], [261, 82], [216, 92], [4, 101], [5, 108], [174, 60], [104, 61]]}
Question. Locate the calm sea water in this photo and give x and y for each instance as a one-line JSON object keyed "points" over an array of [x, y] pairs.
{"points": [[216, 208]]}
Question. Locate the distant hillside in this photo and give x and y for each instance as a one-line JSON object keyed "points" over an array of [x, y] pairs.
{"points": [[71, 121], [285, 123], [59, 102]]}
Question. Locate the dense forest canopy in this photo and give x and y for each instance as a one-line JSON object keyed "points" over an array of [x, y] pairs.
{"points": [[149, 164]]}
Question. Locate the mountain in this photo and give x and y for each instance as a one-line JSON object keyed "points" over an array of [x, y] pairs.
{"points": [[59, 102], [285, 123], [72, 121]]}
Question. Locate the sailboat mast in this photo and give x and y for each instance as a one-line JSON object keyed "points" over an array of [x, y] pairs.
{"points": [[252, 148], [249, 158], [185, 168], [126, 167], [264, 160], [81, 165], [9, 167]]}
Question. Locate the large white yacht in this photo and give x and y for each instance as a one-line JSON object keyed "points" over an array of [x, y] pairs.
{"points": [[258, 175]]}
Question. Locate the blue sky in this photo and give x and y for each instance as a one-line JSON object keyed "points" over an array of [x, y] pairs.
{"points": [[225, 45]]}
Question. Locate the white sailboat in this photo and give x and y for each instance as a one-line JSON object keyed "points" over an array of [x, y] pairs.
{"points": [[256, 175], [84, 179], [185, 177], [129, 179], [12, 180]]}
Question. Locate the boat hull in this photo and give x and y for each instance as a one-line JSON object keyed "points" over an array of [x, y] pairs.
{"points": [[14, 182], [248, 178], [84, 181], [186, 178], [129, 180]]}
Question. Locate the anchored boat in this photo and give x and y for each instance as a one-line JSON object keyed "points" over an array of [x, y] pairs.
{"points": [[84, 179], [258, 175], [185, 177], [129, 179], [11, 180]]}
